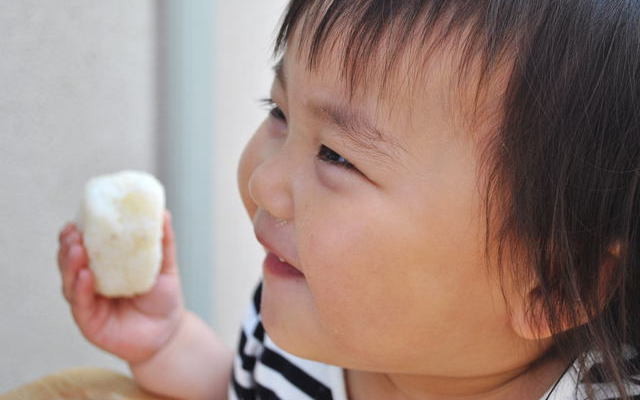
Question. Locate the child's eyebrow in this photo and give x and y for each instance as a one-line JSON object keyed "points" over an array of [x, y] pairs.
{"points": [[355, 127]]}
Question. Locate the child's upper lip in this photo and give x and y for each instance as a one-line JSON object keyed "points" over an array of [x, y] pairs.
{"points": [[270, 248], [271, 244]]}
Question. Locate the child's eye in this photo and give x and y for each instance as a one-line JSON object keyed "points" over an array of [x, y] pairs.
{"points": [[273, 109], [327, 155]]}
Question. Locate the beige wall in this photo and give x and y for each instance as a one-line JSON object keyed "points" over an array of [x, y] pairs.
{"points": [[77, 99]]}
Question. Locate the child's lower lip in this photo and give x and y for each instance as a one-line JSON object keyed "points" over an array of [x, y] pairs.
{"points": [[274, 266]]}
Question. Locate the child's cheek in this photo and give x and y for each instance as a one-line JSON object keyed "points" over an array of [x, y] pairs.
{"points": [[335, 273]]}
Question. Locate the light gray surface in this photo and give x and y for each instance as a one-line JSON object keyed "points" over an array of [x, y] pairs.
{"points": [[77, 100]]}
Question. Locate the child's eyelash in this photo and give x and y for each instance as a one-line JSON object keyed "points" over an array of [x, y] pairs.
{"points": [[273, 108], [325, 153], [330, 156]]}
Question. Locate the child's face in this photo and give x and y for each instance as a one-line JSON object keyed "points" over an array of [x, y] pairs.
{"points": [[391, 254]]}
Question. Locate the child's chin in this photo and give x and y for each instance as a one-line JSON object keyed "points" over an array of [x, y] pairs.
{"points": [[289, 322], [289, 340]]}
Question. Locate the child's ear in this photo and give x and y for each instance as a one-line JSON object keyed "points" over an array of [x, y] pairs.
{"points": [[521, 322]]}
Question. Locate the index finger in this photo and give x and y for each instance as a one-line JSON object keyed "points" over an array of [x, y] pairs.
{"points": [[65, 231]]}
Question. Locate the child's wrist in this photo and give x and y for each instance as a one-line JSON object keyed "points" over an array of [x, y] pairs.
{"points": [[193, 364], [171, 338]]}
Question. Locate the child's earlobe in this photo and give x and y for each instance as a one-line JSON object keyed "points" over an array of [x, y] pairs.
{"points": [[529, 324], [529, 319], [533, 323]]}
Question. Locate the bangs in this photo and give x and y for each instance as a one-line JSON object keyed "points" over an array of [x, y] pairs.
{"points": [[374, 34]]}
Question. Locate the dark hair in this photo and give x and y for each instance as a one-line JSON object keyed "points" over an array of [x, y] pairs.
{"points": [[563, 164]]}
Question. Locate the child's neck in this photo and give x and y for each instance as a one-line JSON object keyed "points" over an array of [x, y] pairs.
{"points": [[524, 384]]}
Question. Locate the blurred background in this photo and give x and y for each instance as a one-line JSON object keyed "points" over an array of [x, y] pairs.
{"points": [[90, 87]]}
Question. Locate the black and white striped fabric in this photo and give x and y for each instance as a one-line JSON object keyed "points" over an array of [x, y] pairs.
{"points": [[263, 371]]}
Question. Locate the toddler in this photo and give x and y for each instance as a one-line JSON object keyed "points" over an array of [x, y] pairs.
{"points": [[448, 193]]}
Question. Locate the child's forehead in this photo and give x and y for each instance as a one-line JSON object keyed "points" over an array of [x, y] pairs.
{"points": [[382, 67], [402, 53], [391, 80]]}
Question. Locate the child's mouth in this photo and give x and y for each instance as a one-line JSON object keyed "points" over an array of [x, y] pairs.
{"points": [[274, 266]]}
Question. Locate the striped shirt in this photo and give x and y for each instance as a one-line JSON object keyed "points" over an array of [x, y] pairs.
{"points": [[264, 371]]}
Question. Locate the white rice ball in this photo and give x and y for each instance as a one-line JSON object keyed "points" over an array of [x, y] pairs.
{"points": [[121, 219]]}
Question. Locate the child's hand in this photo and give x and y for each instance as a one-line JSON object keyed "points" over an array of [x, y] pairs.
{"points": [[133, 329]]}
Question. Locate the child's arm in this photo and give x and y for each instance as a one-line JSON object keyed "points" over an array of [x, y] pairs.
{"points": [[194, 364]]}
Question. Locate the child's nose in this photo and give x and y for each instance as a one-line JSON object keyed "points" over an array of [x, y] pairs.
{"points": [[270, 185]]}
